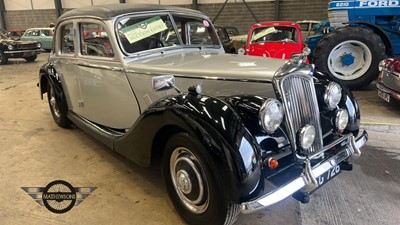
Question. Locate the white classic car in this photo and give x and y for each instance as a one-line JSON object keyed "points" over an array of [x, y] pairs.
{"points": [[248, 132]]}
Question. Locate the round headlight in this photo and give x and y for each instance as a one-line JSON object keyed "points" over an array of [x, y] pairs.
{"points": [[241, 51], [306, 136], [381, 65], [10, 47], [39, 45], [333, 94], [341, 119], [271, 115]]}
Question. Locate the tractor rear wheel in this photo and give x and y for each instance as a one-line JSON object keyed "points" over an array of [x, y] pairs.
{"points": [[350, 54]]}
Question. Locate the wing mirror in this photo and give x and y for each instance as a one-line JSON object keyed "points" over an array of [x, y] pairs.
{"points": [[164, 82]]}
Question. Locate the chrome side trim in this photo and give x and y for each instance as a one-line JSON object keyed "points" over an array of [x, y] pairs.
{"points": [[391, 73], [114, 133], [96, 66], [307, 180], [204, 77]]}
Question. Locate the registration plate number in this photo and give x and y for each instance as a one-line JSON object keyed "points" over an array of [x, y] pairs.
{"points": [[328, 175], [385, 96]]}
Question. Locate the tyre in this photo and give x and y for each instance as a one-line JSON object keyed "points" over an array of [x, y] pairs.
{"points": [[350, 54], [58, 107], [3, 58], [192, 183], [31, 58]]}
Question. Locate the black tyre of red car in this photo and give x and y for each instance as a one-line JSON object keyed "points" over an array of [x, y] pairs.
{"points": [[31, 58], [192, 183], [3, 58]]}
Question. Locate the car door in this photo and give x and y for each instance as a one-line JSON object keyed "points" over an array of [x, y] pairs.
{"points": [[108, 98], [64, 60], [46, 38], [31, 35]]}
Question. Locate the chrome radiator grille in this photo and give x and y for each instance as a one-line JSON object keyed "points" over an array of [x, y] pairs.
{"points": [[26, 46], [338, 17], [301, 106]]}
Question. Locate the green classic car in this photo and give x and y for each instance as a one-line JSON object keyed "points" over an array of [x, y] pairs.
{"points": [[42, 35]]}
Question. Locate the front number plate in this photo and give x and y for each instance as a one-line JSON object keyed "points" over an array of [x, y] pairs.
{"points": [[328, 175], [384, 96]]}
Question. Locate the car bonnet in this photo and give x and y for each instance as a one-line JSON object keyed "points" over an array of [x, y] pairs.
{"points": [[213, 65]]}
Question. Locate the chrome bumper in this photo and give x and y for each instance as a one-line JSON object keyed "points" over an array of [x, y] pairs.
{"points": [[308, 179], [24, 51]]}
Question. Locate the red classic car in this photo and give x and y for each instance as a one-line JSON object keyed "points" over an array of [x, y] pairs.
{"points": [[389, 79], [274, 39]]}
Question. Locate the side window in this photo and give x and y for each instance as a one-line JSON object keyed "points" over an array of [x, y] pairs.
{"points": [[95, 41], [196, 31], [46, 33], [222, 34], [28, 33], [67, 39], [32, 33]]}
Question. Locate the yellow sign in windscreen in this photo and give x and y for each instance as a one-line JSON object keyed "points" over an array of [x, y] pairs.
{"points": [[144, 29], [263, 33]]}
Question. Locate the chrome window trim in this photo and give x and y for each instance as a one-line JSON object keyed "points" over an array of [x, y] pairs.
{"points": [[170, 14], [80, 40]]}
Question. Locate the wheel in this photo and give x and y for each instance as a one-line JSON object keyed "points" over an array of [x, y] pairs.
{"points": [[192, 184], [31, 58], [3, 58], [350, 54], [58, 107]]}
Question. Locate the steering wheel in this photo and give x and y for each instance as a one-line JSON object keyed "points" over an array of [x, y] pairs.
{"points": [[155, 43], [289, 40]]}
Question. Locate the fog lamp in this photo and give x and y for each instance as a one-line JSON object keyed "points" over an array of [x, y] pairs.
{"points": [[306, 136], [341, 119], [241, 51], [10, 47]]}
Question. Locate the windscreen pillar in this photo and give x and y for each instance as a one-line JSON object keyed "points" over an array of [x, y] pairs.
{"points": [[277, 3], [195, 4], [58, 6], [2, 15]]}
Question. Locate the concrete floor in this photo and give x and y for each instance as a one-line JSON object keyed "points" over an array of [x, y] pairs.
{"points": [[35, 151]]}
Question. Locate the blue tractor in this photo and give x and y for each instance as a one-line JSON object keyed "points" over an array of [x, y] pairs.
{"points": [[361, 33]]}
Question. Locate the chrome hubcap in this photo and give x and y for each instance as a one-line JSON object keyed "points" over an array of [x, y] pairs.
{"points": [[189, 180], [183, 181], [53, 103]]}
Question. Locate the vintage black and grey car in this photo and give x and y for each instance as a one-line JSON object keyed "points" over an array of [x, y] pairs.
{"points": [[234, 133], [10, 48], [389, 79]]}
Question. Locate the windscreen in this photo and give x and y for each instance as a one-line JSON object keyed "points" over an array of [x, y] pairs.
{"points": [[273, 34], [141, 33]]}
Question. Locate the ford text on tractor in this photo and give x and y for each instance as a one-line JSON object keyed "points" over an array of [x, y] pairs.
{"points": [[362, 34]]}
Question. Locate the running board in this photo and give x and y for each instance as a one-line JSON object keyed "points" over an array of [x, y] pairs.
{"points": [[106, 137]]}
